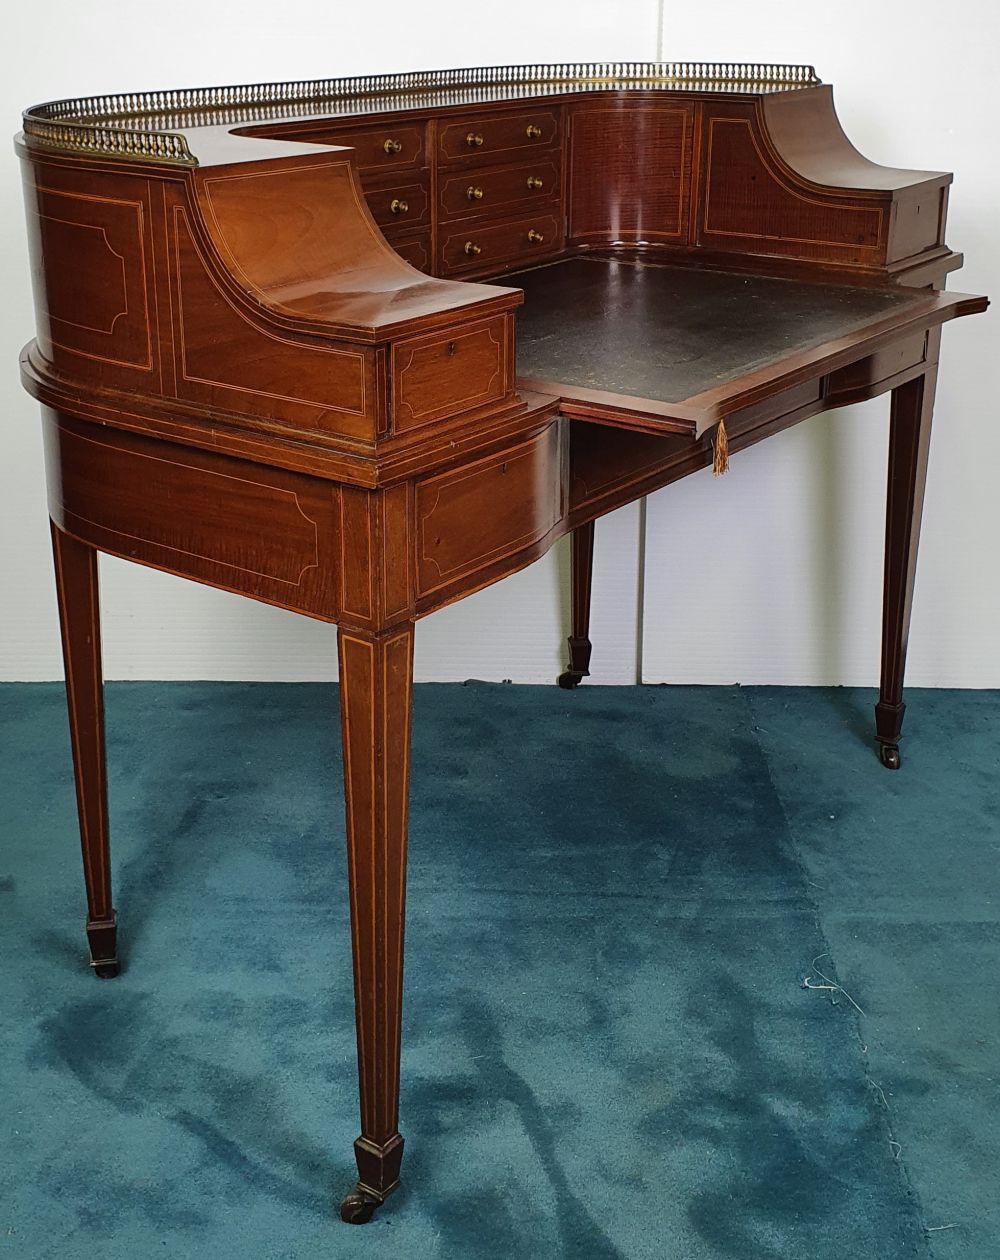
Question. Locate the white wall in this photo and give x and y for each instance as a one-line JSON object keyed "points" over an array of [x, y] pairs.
{"points": [[769, 575]]}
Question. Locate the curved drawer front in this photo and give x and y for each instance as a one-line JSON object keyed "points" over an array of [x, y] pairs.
{"points": [[497, 137], [471, 519], [385, 147], [503, 190]]}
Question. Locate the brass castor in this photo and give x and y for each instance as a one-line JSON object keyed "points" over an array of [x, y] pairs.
{"points": [[889, 756], [358, 1207], [106, 970], [569, 680]]}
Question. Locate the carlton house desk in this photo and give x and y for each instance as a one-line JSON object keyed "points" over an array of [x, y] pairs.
{"points": [[361, 347]]}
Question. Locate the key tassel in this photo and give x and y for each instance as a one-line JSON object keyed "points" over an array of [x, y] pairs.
{"points": [[720, 463]]}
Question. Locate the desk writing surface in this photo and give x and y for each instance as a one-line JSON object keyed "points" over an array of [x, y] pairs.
{"points": [[671, 333]]}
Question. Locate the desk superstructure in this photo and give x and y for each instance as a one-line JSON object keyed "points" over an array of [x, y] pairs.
{"points": [[269, 360]]}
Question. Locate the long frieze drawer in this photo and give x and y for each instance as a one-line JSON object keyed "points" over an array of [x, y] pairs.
{"points": [[400, 202], [477, 246], [415, 249], [505, 189], [383, 148], [442, 374], [493, 137]]}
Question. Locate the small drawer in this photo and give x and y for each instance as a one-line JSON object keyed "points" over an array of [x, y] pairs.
{"points": [[489, 137], [442, 374], [399, 203], [482, 247], [383, 148], [415, 249], [506, 190]]}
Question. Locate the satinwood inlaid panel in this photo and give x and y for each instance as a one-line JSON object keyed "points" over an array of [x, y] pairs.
{"points": [[748, 207], [227, 362], [630, 173], [490, 509], [245, 527], [92, 276]]}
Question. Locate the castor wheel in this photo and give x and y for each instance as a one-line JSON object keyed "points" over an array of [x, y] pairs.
{"points": [[889, 756], [106, 970], [358, 1207], [569, 680]]}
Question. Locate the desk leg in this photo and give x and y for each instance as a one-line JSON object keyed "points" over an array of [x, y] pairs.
{"points": [[79, 616], [909, 440], [581, 578], [376, 688]]}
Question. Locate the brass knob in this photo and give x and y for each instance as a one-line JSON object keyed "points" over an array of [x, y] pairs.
{"points": [[398, 207], [472, 248], [474, 140], [533, 132], [392, 146], [534, 181], [473, 193], [536, 238]]}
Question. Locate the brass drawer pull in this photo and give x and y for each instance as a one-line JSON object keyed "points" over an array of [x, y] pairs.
{"points": [[398, 207], [471, 248], [534, 182], [533, 132], [473, 193], [474, 140], [536, 238], [392, 146]]}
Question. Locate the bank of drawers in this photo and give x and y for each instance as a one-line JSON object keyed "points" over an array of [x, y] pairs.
{"points": [[498, 188]]}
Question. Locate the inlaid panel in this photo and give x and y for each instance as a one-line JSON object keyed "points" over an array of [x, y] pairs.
{"points": [[748, 207], [227, 362], [93, 290], [442, 374], [245, 527], [630, 173]]}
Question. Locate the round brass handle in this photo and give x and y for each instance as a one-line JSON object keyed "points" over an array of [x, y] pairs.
{"points": [[392, 146], [534, 181], [398, 207], [533, 132], [536, 238], [474, 140], [473, 193], [472, 248]]}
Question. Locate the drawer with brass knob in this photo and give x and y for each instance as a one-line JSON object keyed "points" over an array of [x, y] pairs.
{"points": [[500, 191], [504, 137], [400, 203], [385, 147], [487, 247]]}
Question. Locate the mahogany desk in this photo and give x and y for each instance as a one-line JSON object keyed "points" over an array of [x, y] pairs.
{"points": [[267, 362]]}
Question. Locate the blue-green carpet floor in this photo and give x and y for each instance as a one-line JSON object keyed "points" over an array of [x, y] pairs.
{"points": [[614, 897]]}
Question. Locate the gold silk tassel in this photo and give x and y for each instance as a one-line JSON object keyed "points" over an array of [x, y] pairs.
{"points": [[720, 464]]}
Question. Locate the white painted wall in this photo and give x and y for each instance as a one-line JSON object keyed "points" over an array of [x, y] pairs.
{"points": [[770, 575]]}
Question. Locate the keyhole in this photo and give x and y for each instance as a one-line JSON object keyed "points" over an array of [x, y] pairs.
{"points": [[451, 347]]}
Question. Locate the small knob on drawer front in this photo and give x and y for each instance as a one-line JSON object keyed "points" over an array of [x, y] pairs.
{"points": [[474, 140], [398, 207], [473, 193], [472, 248], [392, 146], [534, 181], [536, 238], [533, 132]]}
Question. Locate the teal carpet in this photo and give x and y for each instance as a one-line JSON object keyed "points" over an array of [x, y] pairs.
{"points": [[614, 897]]}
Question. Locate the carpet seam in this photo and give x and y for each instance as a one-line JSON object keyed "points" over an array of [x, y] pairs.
{"points": [[872, 1088]]}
